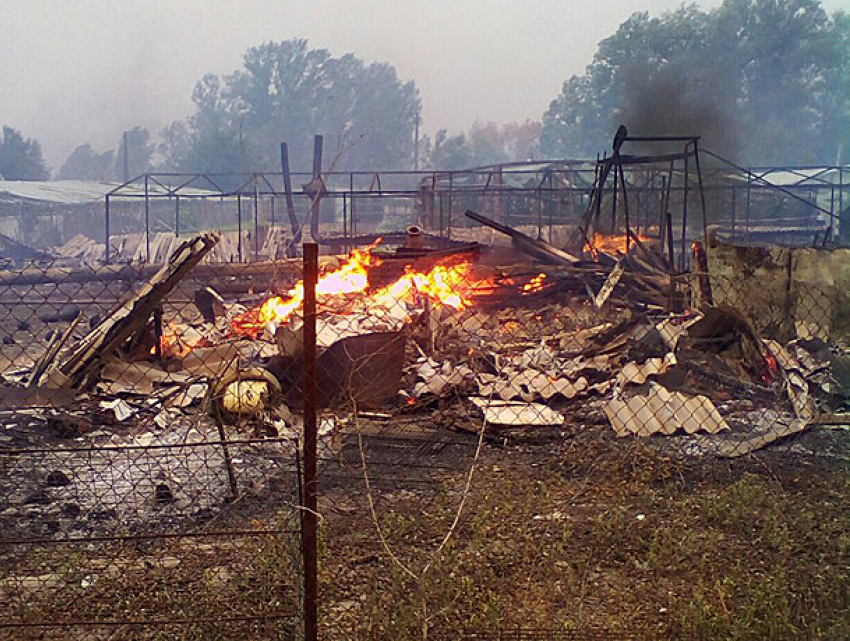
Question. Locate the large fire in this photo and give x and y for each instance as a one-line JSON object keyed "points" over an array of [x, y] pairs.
{"points": [[614, 244], [347, 286]]}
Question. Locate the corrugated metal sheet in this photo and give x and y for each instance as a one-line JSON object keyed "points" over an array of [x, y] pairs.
{"points": [[637, 374], [660, 410], [77, 192], [133, 247]]}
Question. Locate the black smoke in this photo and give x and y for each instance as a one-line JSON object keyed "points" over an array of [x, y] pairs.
{"points": [[674, 101]]}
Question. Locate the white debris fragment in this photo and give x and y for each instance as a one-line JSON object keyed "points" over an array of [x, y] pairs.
{"points": [[120, 407], [187, 397], [516, 413], [167, 417]]}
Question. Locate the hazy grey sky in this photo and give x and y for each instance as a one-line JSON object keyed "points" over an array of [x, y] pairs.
{"points": [[77, 71]]}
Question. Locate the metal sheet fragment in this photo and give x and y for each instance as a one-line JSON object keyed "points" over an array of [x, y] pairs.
{"points": [[661, 411], [517, 413]]}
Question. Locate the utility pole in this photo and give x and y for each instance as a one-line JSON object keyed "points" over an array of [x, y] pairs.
{"points": [[416, 145], [126, 159]]}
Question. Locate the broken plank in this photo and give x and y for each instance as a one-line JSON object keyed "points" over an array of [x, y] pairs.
{"points": [[609, 285], [75, 369], [52, 351]]}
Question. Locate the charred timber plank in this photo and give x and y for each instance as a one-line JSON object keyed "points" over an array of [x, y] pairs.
{"points": [[536, 248], [55, 275], [84, 359], [136, 272]]}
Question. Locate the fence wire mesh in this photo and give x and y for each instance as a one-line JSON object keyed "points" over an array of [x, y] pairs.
{"points": [[506, 451]]}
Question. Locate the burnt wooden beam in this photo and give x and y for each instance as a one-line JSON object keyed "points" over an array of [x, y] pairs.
{"points": [[538, 249], [77, 368]]}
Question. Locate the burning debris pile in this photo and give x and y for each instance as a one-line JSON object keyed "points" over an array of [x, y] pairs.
{"points": [[522, 345]]}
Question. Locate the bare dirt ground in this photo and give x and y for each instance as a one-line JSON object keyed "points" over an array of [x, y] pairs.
{"points": [[568, 532]]}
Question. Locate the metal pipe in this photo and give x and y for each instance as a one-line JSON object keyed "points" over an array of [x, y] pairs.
{"points": [[147, 222], [841, 202], [614, 201], [685, 212], [290, 203], [451, 205], [549, 208], [310, 529], [670, 252], [537, 197], [351, 197], [442, 200], [832, 211], [239, 225], [177, 216], [501, 199], [256, 220], [662, 220], [413, 238], [625, 199], [701, 192], [345, 220], [733, 211], [749, 197], [316, 205], [106, 211]]}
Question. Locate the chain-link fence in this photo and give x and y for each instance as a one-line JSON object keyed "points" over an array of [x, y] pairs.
{"points": [[439, 446], [130, 507]]}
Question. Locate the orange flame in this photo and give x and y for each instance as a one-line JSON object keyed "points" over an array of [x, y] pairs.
{"points": [[443, 285], [350, 278], [175, 342], [614, 244], [535, 284]]}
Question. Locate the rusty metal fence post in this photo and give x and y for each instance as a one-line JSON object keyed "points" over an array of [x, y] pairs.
{"points": [[310, 520]]}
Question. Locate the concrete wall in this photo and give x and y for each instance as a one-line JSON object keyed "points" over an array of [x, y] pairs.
{"points": [[787, 292]]}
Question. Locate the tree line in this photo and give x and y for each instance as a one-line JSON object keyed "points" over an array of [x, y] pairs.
{"points": [[763, 81]]}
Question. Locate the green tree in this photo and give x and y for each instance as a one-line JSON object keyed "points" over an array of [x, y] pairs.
{"points": [[289, 92], [210, 141], [20, 158], [450, 152], [84, 163], [761, 80]]}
